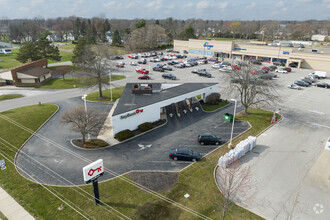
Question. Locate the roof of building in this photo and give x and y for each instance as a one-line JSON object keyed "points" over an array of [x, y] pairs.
{"points": [[34, 71], [129, 101]]}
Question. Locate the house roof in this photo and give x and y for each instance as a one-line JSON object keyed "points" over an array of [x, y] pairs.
{"points": [[34, 71], [129, 101]]}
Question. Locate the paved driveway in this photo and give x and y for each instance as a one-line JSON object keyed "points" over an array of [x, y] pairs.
{"points": [[68, 161]]}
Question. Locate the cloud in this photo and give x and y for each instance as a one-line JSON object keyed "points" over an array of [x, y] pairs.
{"points": [[203, 5], [158, 4], [251, 6]]}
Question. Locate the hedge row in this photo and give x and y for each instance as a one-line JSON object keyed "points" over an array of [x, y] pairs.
{"points": [[145, 126], [123, 135]]}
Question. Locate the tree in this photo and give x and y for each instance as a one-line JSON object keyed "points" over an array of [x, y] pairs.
{"points": [[76, 28], [235, 27], [146, 38], [89, 122], [116, 39], [62, 70], [95, 65], [141, 23], [213, 98], [233, 181], [252, 90], [36, 50], [78, 50], [188, 33]]}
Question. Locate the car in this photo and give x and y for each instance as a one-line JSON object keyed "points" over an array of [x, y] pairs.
{"points": [[216, 66], [236, 67], [119, 57], [266, 68], [205, 74], [323, 85], [256, 62], [179, 56], [198, 70], [307, 81], [179, 65], [279, 64], [133, 64], [169, 76], [327, 144], [213, 59], [280, 70], [144, 77], [256, 72], [134, 57], [287, 69], [184, 154], [266, 76], [173, 62], [294, 86], [157, 68], [208, 139], [310, 78], [272, 67], [120, 65], [165, 67], [142, 61], [141, 70], [159, 53], [301, 83], [155, 59], [294, 65], [225, 63], [226, 69], [263, 71]]}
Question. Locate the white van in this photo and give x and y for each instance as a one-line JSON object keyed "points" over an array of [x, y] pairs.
{"points": [[320, 74], [6, 51]]}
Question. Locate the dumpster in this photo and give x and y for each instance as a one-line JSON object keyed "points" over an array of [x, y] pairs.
{"points": [[228, 117]]}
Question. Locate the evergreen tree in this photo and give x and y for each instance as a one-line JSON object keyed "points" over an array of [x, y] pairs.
{"points": [[157, 22], [116, 39], [83, 28], [28, 52], [79, 49], [76, 29], [91, 34], [141, 23]]}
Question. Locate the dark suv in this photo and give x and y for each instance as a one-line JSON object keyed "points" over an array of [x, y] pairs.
{"points": [[208, 139], [168, 76], [184, 154], [205, 74]]}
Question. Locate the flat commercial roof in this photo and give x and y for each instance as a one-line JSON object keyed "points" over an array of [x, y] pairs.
{"points": [[129, 101]]}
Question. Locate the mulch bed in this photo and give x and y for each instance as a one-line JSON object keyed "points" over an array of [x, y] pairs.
{"points": [[90, 144]]}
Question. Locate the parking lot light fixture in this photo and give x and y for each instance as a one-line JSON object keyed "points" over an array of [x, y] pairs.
{"points": [[110, 86], [84, 98], [232, 127]]}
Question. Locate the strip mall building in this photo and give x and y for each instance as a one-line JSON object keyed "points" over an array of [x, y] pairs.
{"points": [[245, 51]]}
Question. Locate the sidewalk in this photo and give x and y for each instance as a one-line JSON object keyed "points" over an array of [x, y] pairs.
{"points": [[11, 209]]}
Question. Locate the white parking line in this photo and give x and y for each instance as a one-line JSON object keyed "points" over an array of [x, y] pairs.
{"points": [[315, 125], [220, 124]]}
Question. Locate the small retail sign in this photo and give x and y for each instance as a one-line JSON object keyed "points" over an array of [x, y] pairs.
{"points": [[93, 170]]}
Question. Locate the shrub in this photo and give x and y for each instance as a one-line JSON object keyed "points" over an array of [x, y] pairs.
{"points": [[146, 126], [213, 99], [123, 135]]}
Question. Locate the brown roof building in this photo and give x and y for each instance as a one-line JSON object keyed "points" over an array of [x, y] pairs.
{"points": [[32, 73]]}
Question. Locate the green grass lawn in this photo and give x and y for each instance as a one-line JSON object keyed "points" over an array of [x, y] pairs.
{"points": [[69, 83], [116, 93], [210, 108], [197, 180], [9, 60], [10, 96]]}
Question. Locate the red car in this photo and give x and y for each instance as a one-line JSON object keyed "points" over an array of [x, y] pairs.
{"points": [[144, 77], [141, 70], [287, 69], [130, 56], [173, 55], [266, 68], [256, 72], [237, 67], [120, 65]]}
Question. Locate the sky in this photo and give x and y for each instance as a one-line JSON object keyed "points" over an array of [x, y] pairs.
{"points": [[160, 9]]}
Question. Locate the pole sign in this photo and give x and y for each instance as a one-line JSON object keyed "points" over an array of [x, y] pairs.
{"points": [[93, 171], [2, 164]]}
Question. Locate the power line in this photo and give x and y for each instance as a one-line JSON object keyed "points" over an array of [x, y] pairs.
{"points": [[158, 195]]}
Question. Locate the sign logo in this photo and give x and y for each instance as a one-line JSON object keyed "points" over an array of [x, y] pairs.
{"points": [[207, 45], [93, 170], [286, 52], [137, 111]]}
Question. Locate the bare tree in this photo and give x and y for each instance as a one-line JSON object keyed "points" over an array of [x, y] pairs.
{"points": [[234, 182], [251, 89], [95, 65], [89, 122], [62, 70]]}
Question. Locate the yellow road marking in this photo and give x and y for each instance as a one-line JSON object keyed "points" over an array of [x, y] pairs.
{"points": [[301, 128]]}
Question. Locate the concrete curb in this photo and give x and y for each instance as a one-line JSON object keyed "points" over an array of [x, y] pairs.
{"points": [[71, 142]]}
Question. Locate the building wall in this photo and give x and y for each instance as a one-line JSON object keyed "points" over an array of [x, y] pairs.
{"points": [[31, 81], [151, 113]]}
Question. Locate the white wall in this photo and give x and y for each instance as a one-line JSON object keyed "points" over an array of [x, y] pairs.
{"points": [[6, 75], [24, 76], [151, 113], [28, 81]]}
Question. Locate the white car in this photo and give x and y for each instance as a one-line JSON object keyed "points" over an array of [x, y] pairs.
{"points": [[132, 63], [226, 69], [294, 86], [281, 71], [120, 63], [216, 66]]}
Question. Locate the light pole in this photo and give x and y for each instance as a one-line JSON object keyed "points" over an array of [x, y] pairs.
{"points": [[232, 127], [110, 86], [84, 98]]}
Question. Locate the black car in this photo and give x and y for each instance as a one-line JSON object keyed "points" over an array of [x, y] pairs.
{"points": [[165, 67], [266, 76], [323, 85], [184, 154], [272, 67], [172, 62], [257, 62], [307, 81], [213, 59], [208, 139], [157, 68], [205, 74], [294, 65], [169, 76], [301, 83], [179, 56]]}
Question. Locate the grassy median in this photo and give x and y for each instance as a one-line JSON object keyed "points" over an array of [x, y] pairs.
{"points": [[197, 180], [10, 96], [116, 93]]}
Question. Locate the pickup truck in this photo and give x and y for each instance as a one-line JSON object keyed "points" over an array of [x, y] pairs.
{"points": [[320, 74]]}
